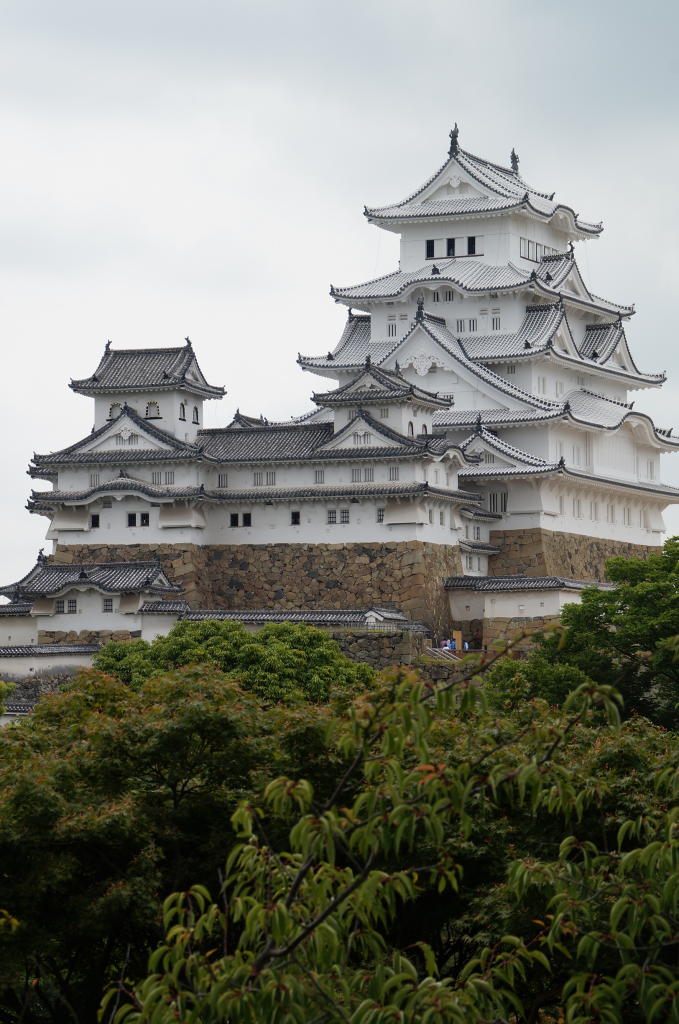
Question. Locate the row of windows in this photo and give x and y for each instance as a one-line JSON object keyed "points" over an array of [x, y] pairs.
{"points": [[153, 411], [472, 245], [535, 250], [157, 477], [596, 510], [70, 607], [447, 293]]}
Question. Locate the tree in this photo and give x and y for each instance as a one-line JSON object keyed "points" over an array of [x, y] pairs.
{"points": [[112, 797], [304, 933], [624, 637], [281, 661]]}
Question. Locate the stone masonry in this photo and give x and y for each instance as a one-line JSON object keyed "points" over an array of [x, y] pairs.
{"points": [[406, 574], [538, 552]]}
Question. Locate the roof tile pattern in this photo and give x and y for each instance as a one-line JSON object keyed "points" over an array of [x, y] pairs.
{"points": [[147, 369], [48, 578]]}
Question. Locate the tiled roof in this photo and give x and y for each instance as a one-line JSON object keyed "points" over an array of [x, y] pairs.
{"points": [[469, 274], [81, 451], [147, 369], [502, 447], [489, 471], [15, 608], [164, 608], [357, 617], [324, 492], [503, 583], [352, 348], [264, 444], [126, 484], [47, 650], [374, 384], [464, 418], [48, 578], [478, 547], [539, 326], [507, 188]]}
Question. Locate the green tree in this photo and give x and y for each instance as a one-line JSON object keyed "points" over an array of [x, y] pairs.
{"points": [[112, 797], [305, 932], [281, 661], [624, 637]]}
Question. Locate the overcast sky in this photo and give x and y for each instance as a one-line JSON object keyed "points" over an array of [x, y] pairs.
{"points": [[174, 167]]}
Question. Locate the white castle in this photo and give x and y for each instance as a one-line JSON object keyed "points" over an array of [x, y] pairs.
{"points": [[474, 423]]}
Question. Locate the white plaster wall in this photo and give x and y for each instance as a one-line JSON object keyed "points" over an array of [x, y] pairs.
{"points": [[54, 662], [17, 629], [169, 402]]}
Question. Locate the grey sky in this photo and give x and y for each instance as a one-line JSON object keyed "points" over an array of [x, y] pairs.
{"points": [[200, 168]]}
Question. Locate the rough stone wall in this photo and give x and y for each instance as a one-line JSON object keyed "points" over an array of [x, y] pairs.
{"points": [[506, 628], [538, 552], [405, 574], [83, 636], [380, 650]]}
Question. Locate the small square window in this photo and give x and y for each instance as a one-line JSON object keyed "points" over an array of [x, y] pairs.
{"points": [[450, 246], [247, 518], [271, 479], [295, 518], [448, 295], [156, 477], [72, 606], [131, 518], [384, 412], [94, 521], [233, 519], [460, 326], [355, 476], [393, 472], [169, 476], [94, 479], [59, 606], [107, 604], [222, 480], [442, 518], [258, 479], [143, 518], [344, 515], [319, 476], [369, 475], [473, 324], [332, 516], [380, 515], [429, 248]]}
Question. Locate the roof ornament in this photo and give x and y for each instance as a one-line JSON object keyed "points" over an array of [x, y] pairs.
{"points": [[82, 575], [188, 341], [350, 314], [435, 270], [42, 558], [562, 463], [453, 149], [367, 361], [330, 356], [567, 405], [515, 161], [572, 250], [332, 290], [420, 308], [526, 344], [479, 426], [397, 368], [107, 346]]}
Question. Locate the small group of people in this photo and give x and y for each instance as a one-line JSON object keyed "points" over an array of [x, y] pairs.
{"points": [[451, 645]]}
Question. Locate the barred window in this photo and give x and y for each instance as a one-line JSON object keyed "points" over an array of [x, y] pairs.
{"points": [[319, 476], [94, 479], [344, 515], [380, 515], [271, 478], [156, 477], [332, 516], [169, 476], [258, 479], [355, 476], [247, 518], [107, 604], [222, 480], [72, 606], [393, 472], [59, 606], [369, 474]]}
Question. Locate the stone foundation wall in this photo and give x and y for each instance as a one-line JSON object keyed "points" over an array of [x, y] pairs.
{"points": [[380, 650], [506, 628], [83, 636], [405, 574], [538, 552]]}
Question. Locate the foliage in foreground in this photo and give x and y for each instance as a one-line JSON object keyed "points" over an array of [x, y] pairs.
{"points": [[282, 661], [627, 637], [307, 932]]}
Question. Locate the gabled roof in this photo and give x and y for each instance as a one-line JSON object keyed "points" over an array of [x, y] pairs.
{"points": [[50, 578], [379, 385], [497, 189], [539, 326], [240, 420], [39, 500], [496, 444], [357, 618], [147, 369], [293, 442], [352, 348], [81, 451]]}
